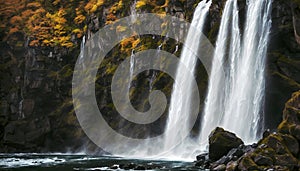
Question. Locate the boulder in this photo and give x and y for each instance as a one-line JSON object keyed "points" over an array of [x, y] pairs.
{"points": [[248, 164], [291, 143], [221, 167], [286, 160], [263, 160], [232, 166], [221, 142]]}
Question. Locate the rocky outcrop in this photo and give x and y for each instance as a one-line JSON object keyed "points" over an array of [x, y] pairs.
{"points": [[275, 151]]}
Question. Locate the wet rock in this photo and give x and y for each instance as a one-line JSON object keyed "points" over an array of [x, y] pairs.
{"points": [[263, 160], [248, 164], [221, 167], [266, 133], [114, 167], [286, 160], [232, 166], [236, 152], [291, 143], [202, 157], [223, 160], [221, 142]]}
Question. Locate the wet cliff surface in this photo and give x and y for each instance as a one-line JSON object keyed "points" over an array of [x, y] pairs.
{"points": [[36, 110]]}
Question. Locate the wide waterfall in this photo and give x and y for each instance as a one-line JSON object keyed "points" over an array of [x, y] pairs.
{"points": [[178, 118], [236, 89]]}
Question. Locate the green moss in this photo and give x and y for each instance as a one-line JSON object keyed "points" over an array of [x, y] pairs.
{"points": [[284, 127], [288, 80]]}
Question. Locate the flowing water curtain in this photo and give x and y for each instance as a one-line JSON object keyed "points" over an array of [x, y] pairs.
{"points": [[236, 101], [178, 123]]}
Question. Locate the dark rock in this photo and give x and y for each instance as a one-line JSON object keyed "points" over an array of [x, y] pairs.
{"points": [[263, 160], [295, 131], [274, 141], [286, 160], [232, 166], [247, 164], [114, 167], [223, 160], [221, 142], [291, 143], [221, 167], [236, 152], [266, 133], [202, 157], [204, 164]]}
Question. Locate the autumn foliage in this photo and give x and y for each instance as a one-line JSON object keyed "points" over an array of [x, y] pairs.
{"points": [[62, 22]]}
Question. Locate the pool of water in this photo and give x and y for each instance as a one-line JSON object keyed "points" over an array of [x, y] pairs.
{"points": [[64, 162]]}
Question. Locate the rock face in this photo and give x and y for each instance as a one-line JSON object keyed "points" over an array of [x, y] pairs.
{"points": [[275, 151], [221, 142], [283, 62]]}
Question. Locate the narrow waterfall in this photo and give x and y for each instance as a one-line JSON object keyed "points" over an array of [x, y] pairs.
{"points": [[178, 118], [236, 88], [82, 47], [132, 62]]}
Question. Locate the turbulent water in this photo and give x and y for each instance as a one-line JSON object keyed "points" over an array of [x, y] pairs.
{"points": [[236, 89], [57, 162], [180, 105]]}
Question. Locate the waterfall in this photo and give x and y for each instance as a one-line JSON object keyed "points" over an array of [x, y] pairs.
{"points": [[131, 68], [82, 47], [178, 118], [236, 89], [214, 105]]}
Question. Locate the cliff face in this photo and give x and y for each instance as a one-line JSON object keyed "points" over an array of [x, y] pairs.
{"points": [[36, 111]]}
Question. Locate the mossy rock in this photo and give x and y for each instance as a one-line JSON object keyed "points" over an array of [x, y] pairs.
{"points": [[248, 164], [221, 142]]}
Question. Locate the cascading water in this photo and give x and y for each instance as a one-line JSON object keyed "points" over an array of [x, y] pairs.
{"points": [[131, 67], [235, 94], [178, 118], [215, 106], [245, 108]]}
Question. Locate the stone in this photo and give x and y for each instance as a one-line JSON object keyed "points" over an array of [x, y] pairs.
{"points": [[295, 131], [247, 163], [274, 141], [221, 167], [291, 143], [236, 152], [263, 160], [223, 160], [286, 160], [221, 142], [202, 157], [266, 133], [232, 166], [114, 167]]}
